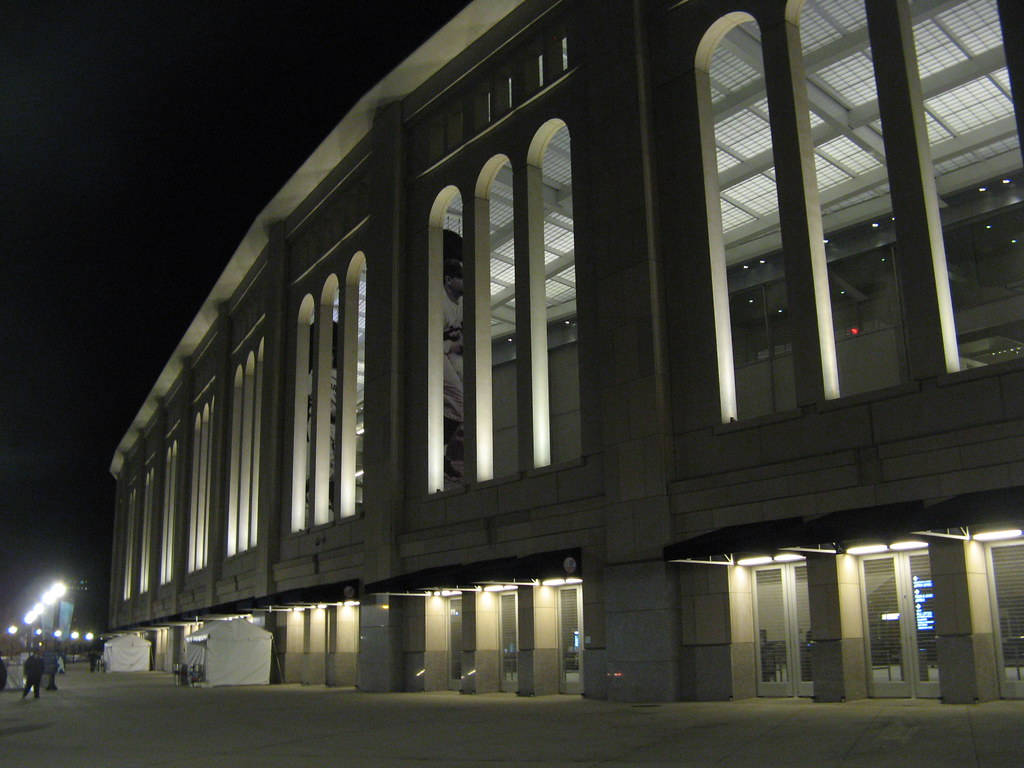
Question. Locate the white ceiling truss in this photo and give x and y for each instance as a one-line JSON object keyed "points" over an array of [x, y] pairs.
{"points": [[559, 245], [967, 101]]}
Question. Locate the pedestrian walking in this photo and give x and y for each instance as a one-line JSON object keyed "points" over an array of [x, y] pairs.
{"points": [[33, 672]]}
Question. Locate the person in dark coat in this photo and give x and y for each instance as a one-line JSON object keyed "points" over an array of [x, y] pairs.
{"points": [[3, 674], [33, 672]]}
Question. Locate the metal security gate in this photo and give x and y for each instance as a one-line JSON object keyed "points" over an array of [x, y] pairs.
{"points": [[783, 619], [898, 610], [1007, 575], [455, 643], [570, 613], [508, 631]]}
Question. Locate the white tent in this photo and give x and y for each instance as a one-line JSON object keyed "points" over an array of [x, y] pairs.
{"points": [[230, 653], [126, 653]]}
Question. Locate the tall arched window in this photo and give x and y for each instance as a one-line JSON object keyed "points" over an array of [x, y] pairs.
{"points": [[129, 553], [352, 386], [245, 455], [497, 410], [302, 455], [170, 511], [147, 530], [551, 153], [324, 398], [200, 514], [976, 158], [237, 449], [445, 343], [257, 420], [751, 303]]}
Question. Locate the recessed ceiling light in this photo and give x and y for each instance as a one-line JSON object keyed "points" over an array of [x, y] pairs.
{"points": [[988, 226], [874, 225], [1006, 181], [983, 189], [760, 261]]}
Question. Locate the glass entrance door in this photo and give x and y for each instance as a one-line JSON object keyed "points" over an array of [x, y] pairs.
{"points": [[1008, 595], [570, 612], [508, 637], [455, 643], [898, 601], [783, 618]]}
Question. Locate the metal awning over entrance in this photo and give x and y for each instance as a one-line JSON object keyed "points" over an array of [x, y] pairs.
{"points": [[958, 516], [529, 569]]}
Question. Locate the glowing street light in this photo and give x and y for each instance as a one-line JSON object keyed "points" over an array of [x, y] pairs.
{"points": [[12, 630], [58, 634], [74, 635], [89, 636]]}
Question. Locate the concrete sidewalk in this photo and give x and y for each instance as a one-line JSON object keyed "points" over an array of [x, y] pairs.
{"points": [[142, 719]]}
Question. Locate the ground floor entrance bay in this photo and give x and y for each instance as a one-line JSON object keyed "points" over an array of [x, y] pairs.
{"points": [[933, 614]]}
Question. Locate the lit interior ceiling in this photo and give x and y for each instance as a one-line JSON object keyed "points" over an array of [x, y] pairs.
{"points": [[559, 247], [967, 103]]}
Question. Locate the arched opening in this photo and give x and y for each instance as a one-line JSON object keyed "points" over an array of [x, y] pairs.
{"points": [[551, 152], [445, 433], [973, 140], [169, 512], [497, 411], [353, 386], [325, 396], [302, 475], [257, 409], [237, 452], [751, 302]]}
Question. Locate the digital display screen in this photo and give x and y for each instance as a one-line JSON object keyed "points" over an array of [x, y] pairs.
{"points": [[923, 595]]}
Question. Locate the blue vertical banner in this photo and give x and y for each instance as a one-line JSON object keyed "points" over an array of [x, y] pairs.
{"points": [[67, 608], [46, 618]]}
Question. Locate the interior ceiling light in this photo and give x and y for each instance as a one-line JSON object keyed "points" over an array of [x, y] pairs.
{"points": [[866, 549], [1010, 533], [754, 560], [901, 546]]}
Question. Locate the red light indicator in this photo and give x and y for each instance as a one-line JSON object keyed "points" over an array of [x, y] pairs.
{"points": [[854, 331]]}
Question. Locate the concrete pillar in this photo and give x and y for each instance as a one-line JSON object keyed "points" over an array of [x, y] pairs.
{"points": [[538, 641], [386, 312], [435, 644], [274, 410], [928, 314], [290, 639], [810, 306], [838, 663], [1011, 15], [963, 622], [481, 657], [314, 657], [717, 633], [342, 644], [380, 644], [642, 603]]}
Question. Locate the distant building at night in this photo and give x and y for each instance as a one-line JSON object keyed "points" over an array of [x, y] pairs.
{"points": [[762, 438]]}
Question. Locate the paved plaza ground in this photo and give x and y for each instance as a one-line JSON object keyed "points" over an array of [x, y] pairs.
{"points": [[142, 719]]}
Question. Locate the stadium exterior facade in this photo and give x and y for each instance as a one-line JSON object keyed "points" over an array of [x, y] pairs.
{"points": [[761, 439]]}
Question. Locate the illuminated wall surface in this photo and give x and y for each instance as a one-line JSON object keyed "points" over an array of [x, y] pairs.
{"points": [[658, 315]]}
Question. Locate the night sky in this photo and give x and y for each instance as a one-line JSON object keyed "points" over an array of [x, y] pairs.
{"points": [[138, 141]]}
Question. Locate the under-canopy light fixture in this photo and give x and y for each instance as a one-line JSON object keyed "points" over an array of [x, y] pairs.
{"points": [[754, 560], [866, 549], [560, 582], [1009, 533], [902, 546], [499, 587], [788, 557]]}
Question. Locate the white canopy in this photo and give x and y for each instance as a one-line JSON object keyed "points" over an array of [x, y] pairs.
{"points": [[126, 653], [230, 652]]}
